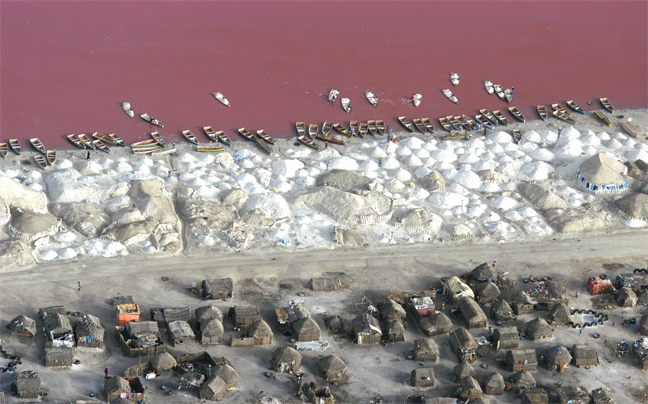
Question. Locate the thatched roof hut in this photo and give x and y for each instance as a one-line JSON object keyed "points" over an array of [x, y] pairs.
{"points": [[57, 325], [538, 328], [216, 289], [425, 350], [522, 303], [213, 389], [603, 396], [366, 329], [535, 395], [211, 331], [422, 377], [634, 206], [285, 360], [334, 369], [472, 313], [555, 291], [557, 358], [470, 388], [585, 355], [501, 310], [326, 284], [261, 332], [463, 344], [244, 315], [559, 313], [523, 380], [163, 361], [506, 337], [23, 325], [572, 395], [486, 292], [494, 384], [462, 370], [395, 330], [436, 324], [114, 387], [522, 360], [229, 375], [483, 273], [626, 297], [208, 312], [643, 325], [390, 310], [88, 332], [306, 329], [28, 385], [180, 332], [59, 357]]}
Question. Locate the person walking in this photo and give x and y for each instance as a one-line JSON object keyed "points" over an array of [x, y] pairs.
{"points": [[105, 373], [88, 156], [559, 130], [79, 286]]}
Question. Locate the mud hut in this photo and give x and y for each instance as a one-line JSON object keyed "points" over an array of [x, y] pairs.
{"points": [[522, 359], [422, 377], [213, 389], [391, 311], [163, 362], [326, 284], [88, 332], [557, 358], [166, 315], [395, 331], [484, 273], [626, 297], [333, 369], [205, 313], [522, 303], [464, 345], [59, 330], [140, 338], [559, 313], [23, 326], [59, 357], [494, 384], [472, 314], [538, 328], [486, 292], [216, 289], [312, 393], [585, 355], [522, 380], [244, 315], [180, 332], [469, 388], [306, 329], [464, 369], [603, 396], [572, 395], [555, 292], [422, 306], [501, 311], [425, 350], [28, 385], [436, 324], [117, 389], [506, 338], [212, 331], [643, 325], [535, 396], [261, 332], [286, 360], [228, 374], [366, 329]]}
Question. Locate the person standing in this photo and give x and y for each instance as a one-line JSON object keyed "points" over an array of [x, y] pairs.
{"points": [[559, 130], [79, 286], [88, 156], [106, 373]]}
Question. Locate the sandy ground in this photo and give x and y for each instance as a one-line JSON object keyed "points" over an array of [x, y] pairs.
{"points": [[270, 279]]}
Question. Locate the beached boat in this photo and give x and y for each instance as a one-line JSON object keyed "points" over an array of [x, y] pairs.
{"points": [[74, 139], [247, 134], [542, 111], [127, 108], [501, 118], [380, 126], [266, 138], [454, 79], [482, 121], [221, 98], [191, 138], [223, 138], [606, 104], [163, 151], [457, 136], [416, 99], [104, 138], [489, 115], [211, 133], [517, 135], [38, 145], [371, 97], [340, 129], [329, 139], [333, 94], [418, 122], [41, 161], [86, 141], [489, 87], [428, 125], [571, 104], [4, 149], [450, 96], [144, 144], [312, 130], [260, 142], [117, 141], [51, 157], [148, 118], [148, 150], [158, 138], [470, 121], [326, 128], [601, 117], [406, 123], [307, 142], [364, 129], [456, 125], [564, 116], [354, 126], [346, 104], [445, 124], [301, 128], [556, 107], [15, 145], [101, 146], [499, 90], [630, 129], [371, 124], [209, 148], [517, 114], [508, 94], [463, 124]]}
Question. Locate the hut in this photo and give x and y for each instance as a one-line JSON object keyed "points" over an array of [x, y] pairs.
{"points": [[640, 348], [603, 396], [464, 345], [163, 362], [180, 332], [422, 377], [334, 369], [522, 303], [213, 389], [286, 360], [643, 325], [213, 289], [118, 389], [88, 331], [391, 311], [164, 316], [462, 370], [425, 350], [602, 174], [486, 292], [554, 292], [261, 332], [538, 328], [295, 311], [306, 329], [244, 315], [626, 297], [506, 338], [522, 380], [501, 311], [469, 388], [559, 313], [395, 331], [585, 355], [312, 393], [422, 306], [23, 326], [326, 284], [634, 206], [58, 330], [207, 313], [472, 314], [212, 331], [484, 273], [494, 384], [28, 385], [456, 289], [558, 358], [228, 374], [140, 338], [366, 329], [572, 395], [522, 359], [59, 357], [334, 324], [127, 310], [436, 324], [535, 395]]}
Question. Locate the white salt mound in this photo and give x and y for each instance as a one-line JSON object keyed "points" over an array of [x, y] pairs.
{"points": [[287, 168], [343, 163], [536, 171], [447, 200], [412, 143], [467, 179], [273, 205], [505, 203], [499, 137]]}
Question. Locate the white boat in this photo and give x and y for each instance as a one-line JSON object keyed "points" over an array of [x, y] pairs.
{"points": [[454, 79], [220, 97], [372, 98], [333, 94], [499, 91], [489, 87], [450, 96], [346, 104], [416, 99], [508, 94], [127, 108]]}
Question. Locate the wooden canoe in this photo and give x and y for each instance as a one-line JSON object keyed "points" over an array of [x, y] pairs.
{"points": [[104, 138], [454, 79], [601, 117], [148, 150], [371, 125], [418, 122], [210, 133], [247, 134], [428, 125], [517, 114], [606, 104], [38, 145], [481, 120], [301, 128], [51, 157], [312, 130], [462, 124], [346, 104], [499, 90], [489, 87], [191, 138], [259, 142], [267, 138], [209, 148], [127, 108], [457, 136], [158, 138], [4, 150], [354, 126], [223, 138], [556, 107], [630, 129], [148, 118], [517, 135], [144, 144], [326, 128], [571, 104], [340, 129], [564, 116], [406, 123], [471, 122], [542, 111], [118, 141], [445, 124], [501, 118], [329, 139], [508, 95], [489, 115], [456, 125], [221, 98], [101, 146], [41, 161], [450, 96], [86, 141], [333, 94], [364, 129], [307, 142], [74, 139], [373, 100], [15, 145], [163, 151], [380, 126]]}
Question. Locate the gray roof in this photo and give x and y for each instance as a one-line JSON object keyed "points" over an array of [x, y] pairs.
{"points": [[142, 327], [181, 329]]}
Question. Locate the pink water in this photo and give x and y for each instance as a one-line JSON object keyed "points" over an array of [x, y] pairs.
{"points": [[66, 66]]}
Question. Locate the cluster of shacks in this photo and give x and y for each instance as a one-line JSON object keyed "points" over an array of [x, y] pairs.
{"points": [[209, 323], [255, 331]]}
